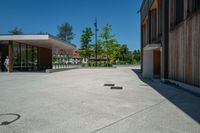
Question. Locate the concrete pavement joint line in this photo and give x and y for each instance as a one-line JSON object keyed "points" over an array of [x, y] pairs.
{"points": [[12, 129], [140, 111]]}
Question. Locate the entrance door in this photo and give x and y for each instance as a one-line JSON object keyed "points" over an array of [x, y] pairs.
{"points": [[157, 61]]}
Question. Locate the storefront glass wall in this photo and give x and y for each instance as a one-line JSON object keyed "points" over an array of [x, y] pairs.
{"points": [[25, 57]]}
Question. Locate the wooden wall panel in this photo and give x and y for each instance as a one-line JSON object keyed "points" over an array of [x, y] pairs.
{"points": [[184, 51]]}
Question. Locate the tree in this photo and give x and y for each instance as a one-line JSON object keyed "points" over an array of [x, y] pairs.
{"points": [[124, 51], [110, 44], [65, 32], [43, 33], [16, 31], [106, 32], [86, 39], [114, 55], [100, 51], [136, 57]]}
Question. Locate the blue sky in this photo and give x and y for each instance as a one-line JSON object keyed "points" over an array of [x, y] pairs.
{"points": [[34, 16]]}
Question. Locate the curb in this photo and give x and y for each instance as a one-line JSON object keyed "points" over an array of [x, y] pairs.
{"points": [[59, 70], [186, 87]]}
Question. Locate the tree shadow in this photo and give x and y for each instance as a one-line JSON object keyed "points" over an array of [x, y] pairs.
{"points": [[186, 101]]}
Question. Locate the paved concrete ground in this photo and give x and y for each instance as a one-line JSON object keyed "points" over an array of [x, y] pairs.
{"points": [[77, 102]]}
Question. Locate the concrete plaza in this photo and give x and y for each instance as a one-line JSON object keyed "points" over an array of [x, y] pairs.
{"points": [[77, 101]]}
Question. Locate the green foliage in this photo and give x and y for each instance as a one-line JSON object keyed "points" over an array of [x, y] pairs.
{"points": [[106, 32], [107, 46], [136, 57], [110, 45], [100, 51], [125, 56], [65, 32], [93, 64], [83, 65], [86, 39], [128, 57], [99, 47], [115, 53], [124, 53], [54, 59], [16, 31], [68, 56], [42, 33]]}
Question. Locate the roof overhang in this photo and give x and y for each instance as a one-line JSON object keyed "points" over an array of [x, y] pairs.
{"points": [[45, 41], [152, 47]]}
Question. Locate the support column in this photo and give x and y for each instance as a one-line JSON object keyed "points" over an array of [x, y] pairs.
{"points": [[165, 40], [10, 55], [141, 43], [148, 64]]}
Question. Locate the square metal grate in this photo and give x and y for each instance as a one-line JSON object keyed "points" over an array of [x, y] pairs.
{"points": [[116, 88], [109, 84]]}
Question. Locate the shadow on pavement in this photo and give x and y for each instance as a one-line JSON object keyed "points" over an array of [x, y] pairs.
{"points": [[9, 121], [185, 101]]}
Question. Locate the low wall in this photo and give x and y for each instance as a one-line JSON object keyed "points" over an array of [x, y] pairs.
{"points": [[59, 70]]}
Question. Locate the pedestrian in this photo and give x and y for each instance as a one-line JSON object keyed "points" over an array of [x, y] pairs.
{"points": [[6, 63]]}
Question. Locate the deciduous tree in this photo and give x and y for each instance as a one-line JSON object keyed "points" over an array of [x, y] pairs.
{"points": [[109, 43], [86, 46]]}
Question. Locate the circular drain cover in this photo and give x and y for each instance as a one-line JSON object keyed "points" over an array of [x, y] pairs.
{"points": [[6, 119]]}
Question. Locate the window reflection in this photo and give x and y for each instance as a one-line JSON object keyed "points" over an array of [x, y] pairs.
{"points": [[35, 58], [17, 56], [25, 57]]}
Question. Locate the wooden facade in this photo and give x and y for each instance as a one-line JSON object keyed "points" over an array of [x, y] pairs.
{"points": [[184, 54], [157, 55], [176, 25], [151, 34]]}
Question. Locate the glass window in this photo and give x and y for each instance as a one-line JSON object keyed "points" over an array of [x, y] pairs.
{"points": [[29, 58], [35, 58], [23, 57], [17, 60]]}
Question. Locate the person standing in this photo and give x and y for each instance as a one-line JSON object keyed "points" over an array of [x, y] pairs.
{"points": [[6, 63]]}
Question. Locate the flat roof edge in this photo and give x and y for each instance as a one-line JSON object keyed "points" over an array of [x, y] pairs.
{"points": [[54, 38], [23, 37], [36, 37]]}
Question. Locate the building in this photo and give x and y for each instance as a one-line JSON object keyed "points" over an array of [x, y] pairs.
{"points": [[30, 52], [76, 59], [170, 40]]}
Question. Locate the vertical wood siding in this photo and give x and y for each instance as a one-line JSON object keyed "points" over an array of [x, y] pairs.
{"points": [[184, 51]]}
